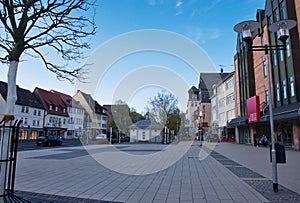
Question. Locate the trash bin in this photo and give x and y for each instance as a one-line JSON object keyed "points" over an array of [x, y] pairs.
{"points": [[280, 153]]}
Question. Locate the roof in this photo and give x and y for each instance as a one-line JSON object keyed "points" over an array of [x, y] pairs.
{"points": [[207, 81], [93, 104], [68, 100], [50, 98], [25, 97], [142, 124]]}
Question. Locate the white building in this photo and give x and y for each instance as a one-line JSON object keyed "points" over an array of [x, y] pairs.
{"points": [[28, 108], [76, 115], [145, 131], [56, 114], [223, 107], [192, 112]]}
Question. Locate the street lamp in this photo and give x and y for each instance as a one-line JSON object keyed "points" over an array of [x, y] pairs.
{"points": [[200, 127], [282, 28]]}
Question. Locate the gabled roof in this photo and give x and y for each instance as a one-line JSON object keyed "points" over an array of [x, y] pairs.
{"points": [[207, 81], [25, 97], [93, 104], [142, 124], [68, 100], [50, 98]]}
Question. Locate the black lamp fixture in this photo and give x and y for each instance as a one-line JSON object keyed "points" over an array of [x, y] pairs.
{"points": [[282, 28]]}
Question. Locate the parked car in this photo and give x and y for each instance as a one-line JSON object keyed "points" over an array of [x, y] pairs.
{"points": [[101, 136], [125, 138], [49, 140]]}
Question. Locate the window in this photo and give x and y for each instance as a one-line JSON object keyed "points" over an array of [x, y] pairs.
{"points": [[288, 49], [229, 84], [144, 135], [277, 92], [203, 107], [222, 102], [64, 121], [26, 109], [38, 123], [39, 113], [274, 58], [56, 108], [270, 20], [281, 55], [276, 15], [64, 110], [267, 96], [230, 99], [34, 112], [23, 109], [284, 89], [292, 89], [282, 10], [25, 121], [33, 122], [50, 107]]}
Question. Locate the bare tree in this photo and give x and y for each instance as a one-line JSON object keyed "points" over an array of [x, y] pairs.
{"points": [[34, 26], [162, 107], [31, 26]]}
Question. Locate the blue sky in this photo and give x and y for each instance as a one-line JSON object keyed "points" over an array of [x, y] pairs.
{"points": [[207, 23]]}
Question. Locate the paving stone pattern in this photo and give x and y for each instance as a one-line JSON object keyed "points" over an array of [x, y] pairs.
{"points": [[258, 182], [189, 180]]}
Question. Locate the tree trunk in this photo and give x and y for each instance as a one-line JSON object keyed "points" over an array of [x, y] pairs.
{"points": [[10, 107]]}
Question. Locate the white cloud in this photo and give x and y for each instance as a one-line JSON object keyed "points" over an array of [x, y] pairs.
{"points": [[178, 13], [178, 4]]}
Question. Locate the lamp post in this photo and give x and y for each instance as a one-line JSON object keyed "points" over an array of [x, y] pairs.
{"points": [[200, 127], [282, 28]]}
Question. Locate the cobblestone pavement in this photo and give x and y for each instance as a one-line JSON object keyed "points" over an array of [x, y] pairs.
{"points": [[214, 179]]}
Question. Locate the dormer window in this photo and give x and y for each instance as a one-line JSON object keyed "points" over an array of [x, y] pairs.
{"points": [[64, 110], [50, 107], [56, 108]]}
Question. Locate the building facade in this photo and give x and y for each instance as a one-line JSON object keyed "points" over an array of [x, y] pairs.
{"points": [[76, 115], [56, 114], [96, 119], [191, 115], [28, 108], [145, 131], [223, 108], [206, 83], [251, 78]]}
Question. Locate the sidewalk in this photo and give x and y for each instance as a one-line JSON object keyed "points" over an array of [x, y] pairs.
{"points": [[71, 175], [258, 160]]}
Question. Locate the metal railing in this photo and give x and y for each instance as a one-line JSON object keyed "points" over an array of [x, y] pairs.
{"points": [[9, 136]]}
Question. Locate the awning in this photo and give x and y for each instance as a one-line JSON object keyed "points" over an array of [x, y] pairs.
{"points": [[238, 121]]}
